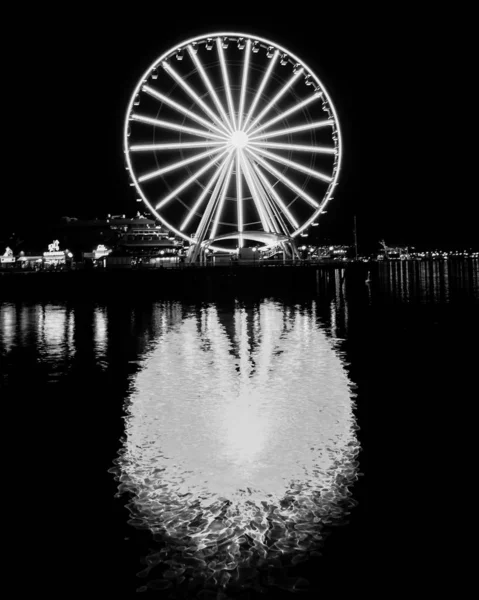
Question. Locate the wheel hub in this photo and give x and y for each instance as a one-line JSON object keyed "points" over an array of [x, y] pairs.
{"points": [[239, 139]]}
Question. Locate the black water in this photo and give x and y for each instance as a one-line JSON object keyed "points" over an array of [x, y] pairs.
{"points": [[222, 395]]}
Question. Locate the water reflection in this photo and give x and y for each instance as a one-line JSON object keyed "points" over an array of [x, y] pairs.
{"points": [[240, 445], [42, 334], [429, 281], [240, 441], [55, 329], [8, 319], [333, 284], [101, 330]]}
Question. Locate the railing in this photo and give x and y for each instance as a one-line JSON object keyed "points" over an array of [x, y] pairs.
{"points": [[235, 264]]}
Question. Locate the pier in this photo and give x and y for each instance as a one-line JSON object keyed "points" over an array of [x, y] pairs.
{"points": [[181, 282]]}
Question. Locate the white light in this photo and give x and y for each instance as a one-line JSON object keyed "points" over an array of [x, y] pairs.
{"points": [[266, 77], [295, 165], [239, 139], [287, 113], [179, 146], [189, 181], [54, 246], [274, 220], [197, 101], [284, 179], [226, 81], [254, 193], [189, 90], [208, 212], [222, 201], [174, 126], [203, 195], [239, 197], [244, 83], [276, 196], [289, 130], [276, 99], [181, 109], [178, 165], [208, 84], [298, 147]]}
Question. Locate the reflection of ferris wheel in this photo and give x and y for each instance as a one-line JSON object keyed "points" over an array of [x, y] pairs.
{"points": [[231, 139]]}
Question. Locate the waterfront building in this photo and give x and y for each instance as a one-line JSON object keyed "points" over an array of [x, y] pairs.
{"points": [[8, 259]]}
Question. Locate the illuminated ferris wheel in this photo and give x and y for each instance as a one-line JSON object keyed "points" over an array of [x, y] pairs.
{"points": [[232, 140]]}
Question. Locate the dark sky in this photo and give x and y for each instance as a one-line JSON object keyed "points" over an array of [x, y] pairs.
{"points": [[75, 73]]}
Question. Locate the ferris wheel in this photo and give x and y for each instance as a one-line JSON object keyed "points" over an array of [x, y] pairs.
{"points": [[231, 139]]}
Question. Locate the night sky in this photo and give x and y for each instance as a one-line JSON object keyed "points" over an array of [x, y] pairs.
{"points": [[72, 76]]}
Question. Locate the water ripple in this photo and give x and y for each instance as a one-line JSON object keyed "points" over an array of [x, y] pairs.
{"points": [[240, 445]]}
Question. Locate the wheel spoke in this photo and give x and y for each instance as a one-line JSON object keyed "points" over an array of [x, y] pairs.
{"points": [[206, 218], [239, 123], [244, 82], [219, 210], [175, 127], [179, 146], [209, 86], [276, 196], [295, 165], [189, 181], [191, 92], [288, 112], [274, 221], [289, 130], [298, 147], [284, 179], [276, 99], [178, 165], [203, 195], [226, 81], [239, 199], [265, 80], [256, 199], [182, 109]]}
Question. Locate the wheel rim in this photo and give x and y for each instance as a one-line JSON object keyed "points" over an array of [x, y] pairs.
{"points": [[215, 140]]}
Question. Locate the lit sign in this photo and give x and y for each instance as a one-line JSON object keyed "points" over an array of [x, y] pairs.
{"points": [[54, 246], [101, 251], [55, 255]]}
